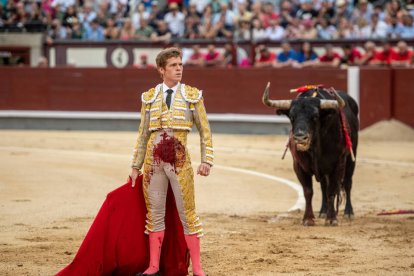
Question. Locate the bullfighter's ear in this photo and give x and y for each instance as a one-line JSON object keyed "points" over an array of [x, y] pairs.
{"points": [[282, 112]]}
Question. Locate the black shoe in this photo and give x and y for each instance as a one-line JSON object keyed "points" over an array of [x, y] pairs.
{"points": [[153, 274]]}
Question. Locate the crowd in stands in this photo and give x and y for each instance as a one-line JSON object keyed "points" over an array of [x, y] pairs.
{"points": [[255, 20], [347, 55]]}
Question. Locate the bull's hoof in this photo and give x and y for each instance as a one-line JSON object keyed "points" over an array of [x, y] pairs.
{"points": [[349, 216], [331, 222], [322, 215], [308, 222]]}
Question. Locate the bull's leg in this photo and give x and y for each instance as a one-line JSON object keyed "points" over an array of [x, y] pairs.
{"points": [[331, 191], [324, 207], [350, 166], [306, 181]]}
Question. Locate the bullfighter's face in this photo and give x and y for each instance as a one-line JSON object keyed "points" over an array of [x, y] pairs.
{"points": [[173, 71]]}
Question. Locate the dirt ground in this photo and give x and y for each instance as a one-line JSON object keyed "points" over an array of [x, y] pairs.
{"points": [[53, 183]]}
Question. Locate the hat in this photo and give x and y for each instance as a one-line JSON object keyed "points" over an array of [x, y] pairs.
{"points": [[340, 3], [173, 6]]}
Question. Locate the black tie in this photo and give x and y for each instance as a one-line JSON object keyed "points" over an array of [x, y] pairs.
{"points": [[168, 100]]}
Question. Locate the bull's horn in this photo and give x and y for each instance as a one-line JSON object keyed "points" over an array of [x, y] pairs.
{"points": [[279, 104], [341, 101], [329, 104]]}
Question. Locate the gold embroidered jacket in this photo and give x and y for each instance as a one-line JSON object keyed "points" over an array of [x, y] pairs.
{"points": [[186, 109]]}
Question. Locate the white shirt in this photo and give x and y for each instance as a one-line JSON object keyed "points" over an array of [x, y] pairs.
{"points": [[174, 89], [175, 23]]}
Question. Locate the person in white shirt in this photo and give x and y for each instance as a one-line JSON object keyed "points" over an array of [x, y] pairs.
{"points": [[275, 31], [175, 20]]}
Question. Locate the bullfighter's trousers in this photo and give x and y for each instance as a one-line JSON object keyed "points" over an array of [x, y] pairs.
{"points": [[167, 161]]}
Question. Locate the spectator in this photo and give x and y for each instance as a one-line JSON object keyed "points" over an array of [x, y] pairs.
{"points": [[325, 30], [308, 30], [401, 57], [306, 10], [244, 30], [243, 14], [144, 32], [341, 12], [326, 11], [162, 33], [197, 58], [330, 58], [43, 62], [127, 32], [111, 32], [226, 15], [94, 31], [307, 56], [102, 14], [383, 57], [377, 28], [269, 15], [213, 57], [155, 16], [360, 29], [69, 17], [258, 32], [194, 14], [287, 57], [219, 30], [407, 30], [88, 15], [266, 58], [139, 14], [293, 31], [275, 32], [175, 20], [394, 29], [370, 53], [363, 9], [56, 31], [351, 56], [143, 62], [287, 13], [192, 30], [77, 30]]}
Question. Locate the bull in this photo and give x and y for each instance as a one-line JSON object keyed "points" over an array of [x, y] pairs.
{"points": [[317, 143]]}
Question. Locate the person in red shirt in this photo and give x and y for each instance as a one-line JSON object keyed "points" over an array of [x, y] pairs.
{"points": [[330, 58], [266, 58], [401, 57], [370, 53], [383, 57], [351, 55], [213, 57], [197, 58]]}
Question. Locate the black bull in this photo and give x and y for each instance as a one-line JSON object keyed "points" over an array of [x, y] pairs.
{"points": [[318, 146]]}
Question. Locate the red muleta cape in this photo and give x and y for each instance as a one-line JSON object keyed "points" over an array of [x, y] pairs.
{"points": [[116, 243]]}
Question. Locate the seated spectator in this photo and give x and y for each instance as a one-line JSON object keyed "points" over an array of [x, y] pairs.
{"points": [[308, 30], [143, 62], [402, 56], [244, 30], [293, 31], [287, 57], [56, 31], [87, 15], [330, 58], [258, 32], [394, 28], [162, 33], [383, 57], [269, 15], [155, 16], [326, 11], [306, 56], [69, 17], [77, 30], [138, 15], [287, 13], [145, 31], [226, 15], [213, 58], [351, 56], [407, 27], [94, 31], [266, 58], [196, 59], [275, 32], [376, 29], [306, 10], [220, 30], [370, 53], [192, 30], [362, 9], [175, 20], [325, 30], [111, 32], [127, 32]]}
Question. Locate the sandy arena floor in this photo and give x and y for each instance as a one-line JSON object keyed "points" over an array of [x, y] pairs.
{"points": [[53, 183]]}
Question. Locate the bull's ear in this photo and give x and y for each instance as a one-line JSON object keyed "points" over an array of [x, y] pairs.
{"points": [[282, 112]]}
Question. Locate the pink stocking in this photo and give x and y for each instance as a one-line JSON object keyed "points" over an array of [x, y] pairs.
{"points": [[193, 244], [155, 243]]}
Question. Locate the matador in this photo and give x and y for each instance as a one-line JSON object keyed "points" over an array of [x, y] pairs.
{"points": [[168, 113]]}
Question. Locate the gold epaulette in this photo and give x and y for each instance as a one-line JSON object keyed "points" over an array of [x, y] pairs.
{"points": [[192, 94], [149, 96]]}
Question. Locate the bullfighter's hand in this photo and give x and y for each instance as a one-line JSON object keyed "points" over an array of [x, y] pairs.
{"points": [[134, 175], [204, 169]]}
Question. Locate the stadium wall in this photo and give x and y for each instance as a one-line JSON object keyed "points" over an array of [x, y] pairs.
{"points": [[383, 93]]}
